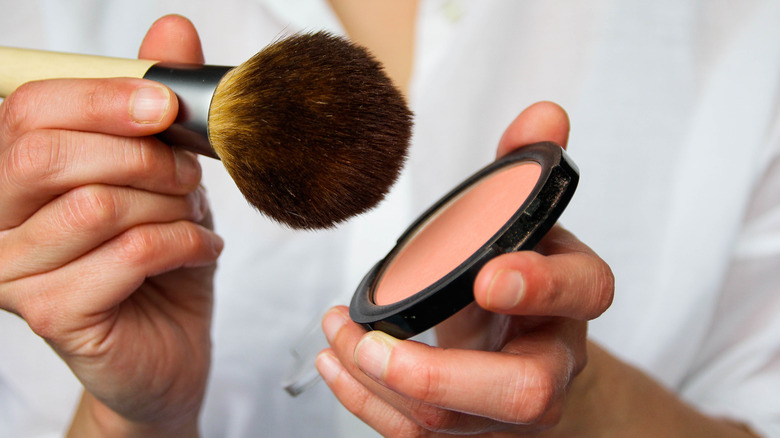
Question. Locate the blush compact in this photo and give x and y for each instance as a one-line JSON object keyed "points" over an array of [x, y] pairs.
{"points": [[429, 275]]}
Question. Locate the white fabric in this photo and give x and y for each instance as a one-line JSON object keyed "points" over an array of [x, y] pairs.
{"points": [[674, 110]]}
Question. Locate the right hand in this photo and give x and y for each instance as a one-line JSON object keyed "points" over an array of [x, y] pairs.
{"points": [[106, 247]]}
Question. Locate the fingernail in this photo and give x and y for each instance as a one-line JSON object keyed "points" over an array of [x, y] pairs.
{"points": [[506, 290], [150, 104], [328, 367], [372, 353], [187, 167], [332, 322]]}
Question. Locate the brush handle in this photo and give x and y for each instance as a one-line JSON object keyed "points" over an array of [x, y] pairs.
{"points": [[194, 85], [18, 66]]}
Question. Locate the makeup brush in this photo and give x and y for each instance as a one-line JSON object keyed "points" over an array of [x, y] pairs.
{"points": [[311, 129]]}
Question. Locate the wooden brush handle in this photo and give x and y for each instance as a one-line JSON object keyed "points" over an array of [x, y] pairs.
{"points": [[18, 66]]}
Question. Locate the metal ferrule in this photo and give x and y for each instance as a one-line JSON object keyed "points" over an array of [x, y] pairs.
{"points": [[194, 86]]}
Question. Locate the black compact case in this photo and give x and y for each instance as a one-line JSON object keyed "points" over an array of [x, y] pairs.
{"points": [[451, 293]]}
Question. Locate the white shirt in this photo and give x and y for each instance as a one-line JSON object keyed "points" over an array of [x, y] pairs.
{"points": [[674, 111]]}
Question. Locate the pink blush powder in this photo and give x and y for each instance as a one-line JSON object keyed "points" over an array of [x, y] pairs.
{"points": [[456, 231]]}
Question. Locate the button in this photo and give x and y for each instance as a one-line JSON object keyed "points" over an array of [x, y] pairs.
{"points": [[453, 10]]}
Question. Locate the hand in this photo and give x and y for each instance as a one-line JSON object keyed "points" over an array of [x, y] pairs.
{"points": [[105, 242], [504, 364]]}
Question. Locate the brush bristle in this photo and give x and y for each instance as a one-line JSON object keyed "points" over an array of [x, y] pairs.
{"points": [[311, 129]]}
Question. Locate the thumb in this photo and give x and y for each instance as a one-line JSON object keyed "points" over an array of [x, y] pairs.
{"points": [[172, 38], [542, 121]]}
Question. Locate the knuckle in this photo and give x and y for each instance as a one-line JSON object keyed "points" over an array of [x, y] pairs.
{"points": [[531, 397], [99, 98], [14, 109], [179, 242], [31, 158], [90, 208], [138, 160], [427, 386], [40, 316], [145, 159], [137, 247], [420, 382]]}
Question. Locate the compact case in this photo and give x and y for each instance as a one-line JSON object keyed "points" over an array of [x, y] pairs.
{"points": [[404, 307]]}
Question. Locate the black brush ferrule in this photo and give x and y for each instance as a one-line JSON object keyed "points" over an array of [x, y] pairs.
{"points": [[194, 86]]}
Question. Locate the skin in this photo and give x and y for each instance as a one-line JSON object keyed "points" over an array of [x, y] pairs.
{"points": [[106, 245], [387, 28]]}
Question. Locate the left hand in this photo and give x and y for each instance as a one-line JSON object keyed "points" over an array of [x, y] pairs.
{"points": [[504, 365]]}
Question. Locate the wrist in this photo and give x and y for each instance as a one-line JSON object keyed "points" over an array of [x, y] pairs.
{"points": [[95, 419], [613, 399]]}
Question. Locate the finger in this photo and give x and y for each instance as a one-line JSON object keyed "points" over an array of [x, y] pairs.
{"points": [[364, 404], [542, 121], [373, 361], [571, 281], [559, 240], [83, 219], [119, 106], [71, 297], [561, 340], [46, 163], [172, 38], [516, 390]]}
